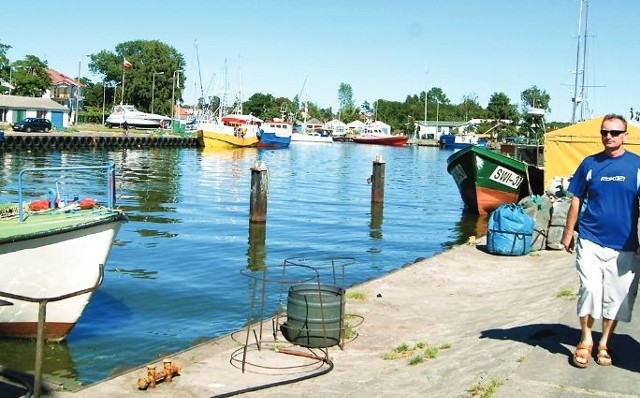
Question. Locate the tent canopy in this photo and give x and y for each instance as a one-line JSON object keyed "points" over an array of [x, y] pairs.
{"points": [[565, 148]]}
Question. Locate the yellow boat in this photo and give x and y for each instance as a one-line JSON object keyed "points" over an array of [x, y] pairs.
{"points": [[232, 131]]}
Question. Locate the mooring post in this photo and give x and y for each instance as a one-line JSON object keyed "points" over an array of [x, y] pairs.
{"points": [[151, 375], [377, 180], [168, 373], [259, 190]]}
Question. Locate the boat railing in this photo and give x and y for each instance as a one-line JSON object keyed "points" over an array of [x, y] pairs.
{"points": [[109, 173]]}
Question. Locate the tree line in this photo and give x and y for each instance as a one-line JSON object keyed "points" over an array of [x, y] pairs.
{"points": [[155, 79]]}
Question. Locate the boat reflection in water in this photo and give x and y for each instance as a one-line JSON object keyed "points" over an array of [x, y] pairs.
{"points": [[470, 225], [57, 367]]}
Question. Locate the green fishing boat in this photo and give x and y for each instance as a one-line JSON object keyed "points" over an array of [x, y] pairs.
{"points": [[486, 179]]}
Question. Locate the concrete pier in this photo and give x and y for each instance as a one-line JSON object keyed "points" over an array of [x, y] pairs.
{"points": [[470, 321]]}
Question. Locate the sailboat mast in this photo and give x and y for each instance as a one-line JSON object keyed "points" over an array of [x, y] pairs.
{"points": [[584, 59], [225, 90], [200, 75], [575, 98]]}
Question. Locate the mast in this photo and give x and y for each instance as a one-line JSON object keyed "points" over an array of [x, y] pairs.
{"points": [[200, 75], [575, 98], [225, 90], [584, 59]]}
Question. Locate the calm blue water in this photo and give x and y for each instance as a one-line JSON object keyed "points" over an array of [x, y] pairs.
{"points": [[174, 277]]}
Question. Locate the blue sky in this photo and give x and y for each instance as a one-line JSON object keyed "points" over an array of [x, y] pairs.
{"points": [[383, 49]]}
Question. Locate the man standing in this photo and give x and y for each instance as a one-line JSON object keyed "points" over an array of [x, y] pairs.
{"points": [[605, 188]]}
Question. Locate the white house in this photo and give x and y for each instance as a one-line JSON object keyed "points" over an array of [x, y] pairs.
{"points": [[338, 127], [14, 108], [356, 125], [312, 125]]}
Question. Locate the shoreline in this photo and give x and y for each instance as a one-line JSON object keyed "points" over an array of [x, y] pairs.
{"points": [[498, 325], [454, 301]]}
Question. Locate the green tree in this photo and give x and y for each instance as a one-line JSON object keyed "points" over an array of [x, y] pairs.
{"points": [[148, 57], [30, 77], [348, 111], [532, 123], [366, 108], [436, 94], [345, 96], [92, 93], [471, 108], [267, 107], [322, 114], [5, 66], [500, 108], [393, 113]]}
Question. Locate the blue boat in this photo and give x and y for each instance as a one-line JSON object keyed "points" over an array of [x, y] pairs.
{"points": [[275, 134], [450, 141]]}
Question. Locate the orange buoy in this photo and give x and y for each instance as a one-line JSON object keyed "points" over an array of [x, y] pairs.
{"points": [[39, 205], [86, 204]]}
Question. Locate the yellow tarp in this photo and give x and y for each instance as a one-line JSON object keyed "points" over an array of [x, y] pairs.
{"points": [[565, 148]]}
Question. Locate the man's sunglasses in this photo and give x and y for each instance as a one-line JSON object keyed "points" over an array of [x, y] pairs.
{"points": [[614, 133]]}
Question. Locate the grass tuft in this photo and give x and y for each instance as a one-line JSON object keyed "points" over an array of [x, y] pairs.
{"points": [[484, 390], [567, 293], [357, 295], [417, 353]]}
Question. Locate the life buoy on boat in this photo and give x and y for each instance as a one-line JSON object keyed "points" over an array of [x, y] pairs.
{"points": [[39, 205], [86, 204]]}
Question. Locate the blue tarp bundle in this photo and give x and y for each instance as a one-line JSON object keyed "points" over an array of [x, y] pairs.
{"points": [[509, 231]]}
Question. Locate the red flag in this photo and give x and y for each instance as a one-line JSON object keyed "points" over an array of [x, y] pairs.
{"points": [[126, 64]]}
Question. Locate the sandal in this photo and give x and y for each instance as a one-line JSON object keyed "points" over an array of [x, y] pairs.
{"points": [[582, 352], [603, 358]]}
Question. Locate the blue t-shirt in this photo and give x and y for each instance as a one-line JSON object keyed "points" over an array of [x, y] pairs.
{"points": [[611, 187]]}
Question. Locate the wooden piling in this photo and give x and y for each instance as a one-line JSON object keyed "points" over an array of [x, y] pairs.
{"points": [[377, 180], [259, 191]]}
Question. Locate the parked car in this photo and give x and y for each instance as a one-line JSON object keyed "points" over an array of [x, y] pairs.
{"points": [[32, 124]]}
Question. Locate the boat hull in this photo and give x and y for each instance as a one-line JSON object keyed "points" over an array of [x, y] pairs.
{"points": [[275, 134], [313, 138], [487, 179], [220, 140], [450, 141], [271, 140], [392, 140], [135, 118], [54, 255]]}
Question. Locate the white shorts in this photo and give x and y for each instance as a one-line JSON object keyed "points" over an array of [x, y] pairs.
{"points": [[608, 281]]}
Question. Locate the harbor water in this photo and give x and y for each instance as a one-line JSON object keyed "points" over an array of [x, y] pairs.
{"points": [[177, 274]]}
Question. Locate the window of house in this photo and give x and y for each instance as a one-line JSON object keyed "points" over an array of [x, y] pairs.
{"points": [[3, 114], [42, 114]]}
